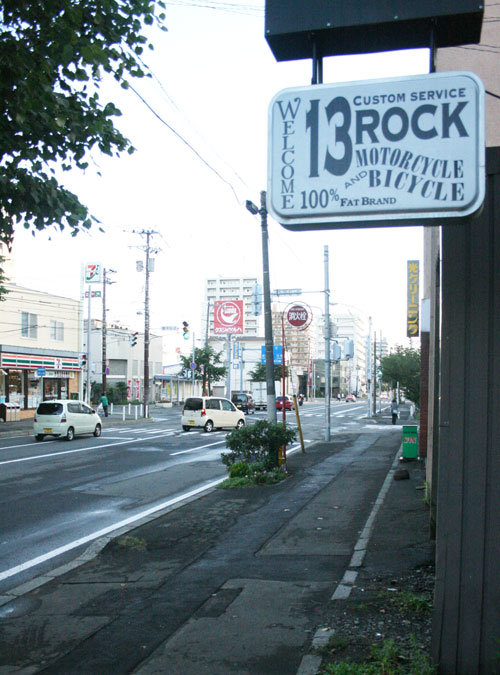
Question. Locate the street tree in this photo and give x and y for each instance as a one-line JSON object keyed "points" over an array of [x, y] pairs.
{"points": [[403, 366], [208, 366], [53, 57], [258, 374]]}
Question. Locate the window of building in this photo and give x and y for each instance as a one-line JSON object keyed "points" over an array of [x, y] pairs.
{"points": [[29, 325], [56, 330]]}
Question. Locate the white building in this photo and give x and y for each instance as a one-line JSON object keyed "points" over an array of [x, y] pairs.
{"points": [[40, 348], [124, 362], [231, 288]]}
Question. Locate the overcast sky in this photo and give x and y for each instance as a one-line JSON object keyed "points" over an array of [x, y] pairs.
{"points": [[192, 172]]}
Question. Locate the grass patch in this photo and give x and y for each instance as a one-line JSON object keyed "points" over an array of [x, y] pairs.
{"points": [[243, 474], [134, 543], [386, 659]]}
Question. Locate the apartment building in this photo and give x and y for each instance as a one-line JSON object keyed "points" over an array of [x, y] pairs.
{"points": [[299, 346], [231, 288]]}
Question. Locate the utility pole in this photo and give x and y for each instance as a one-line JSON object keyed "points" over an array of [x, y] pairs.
{"points": [[268, 321], [374, 381], [105, 282], [149, 261], [327, 348], [89, 320]]}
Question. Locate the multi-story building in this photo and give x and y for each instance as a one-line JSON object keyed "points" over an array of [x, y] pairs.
{"points": [[231, 288], [299, 345], [41, 347], [124, 362]]}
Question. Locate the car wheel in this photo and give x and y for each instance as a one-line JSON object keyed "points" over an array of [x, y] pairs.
{"points": [[241, 423], [39, 437], [185, 427], [97, 430], [70, 434], [209, 426]]}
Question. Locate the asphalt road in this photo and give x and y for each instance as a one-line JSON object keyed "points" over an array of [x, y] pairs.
{"points": [[59, 496]]}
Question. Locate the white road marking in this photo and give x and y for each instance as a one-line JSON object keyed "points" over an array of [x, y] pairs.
{"points": [[69, 452], [105, 530]]}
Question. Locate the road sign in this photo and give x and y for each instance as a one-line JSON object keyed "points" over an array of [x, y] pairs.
{"points": [[405, 150], [192, 365], [277, 354]]}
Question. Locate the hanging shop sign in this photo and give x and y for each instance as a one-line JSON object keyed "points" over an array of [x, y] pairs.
{"points": [[406, 150]]}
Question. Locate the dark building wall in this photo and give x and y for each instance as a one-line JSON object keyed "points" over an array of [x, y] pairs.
{"points": [[466, 625]]}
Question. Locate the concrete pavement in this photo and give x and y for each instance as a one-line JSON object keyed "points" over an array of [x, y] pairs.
{"points": [[237, 581]]}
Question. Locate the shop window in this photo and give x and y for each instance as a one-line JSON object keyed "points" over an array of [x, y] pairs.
{"points": [[56, 330], [29, 325]]}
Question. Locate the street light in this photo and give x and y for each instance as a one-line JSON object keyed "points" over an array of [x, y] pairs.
{"points": [[268, 323]]}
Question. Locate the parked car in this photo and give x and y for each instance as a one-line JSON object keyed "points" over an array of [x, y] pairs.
{"points": [[350, 398], [279, 403], [209, 413], [244, 402], [65, 418]]}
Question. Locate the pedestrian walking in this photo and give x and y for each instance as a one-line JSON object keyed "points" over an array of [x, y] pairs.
{"points": [[105, 404], [394, 411]]}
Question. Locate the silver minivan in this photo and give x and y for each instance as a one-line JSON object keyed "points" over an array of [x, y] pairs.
{"points": [[65, 418], [209, 413]]}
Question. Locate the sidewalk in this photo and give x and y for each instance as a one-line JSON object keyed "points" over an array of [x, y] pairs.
{"points": [[237, 581]]}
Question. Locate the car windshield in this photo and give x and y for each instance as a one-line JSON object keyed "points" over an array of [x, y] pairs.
{"points": [[50, 409], [238, 398], [193, 404]]}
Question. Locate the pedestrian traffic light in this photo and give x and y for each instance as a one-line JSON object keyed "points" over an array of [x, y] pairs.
{"points": [[185, 330], [133, 338], [83, 361]]}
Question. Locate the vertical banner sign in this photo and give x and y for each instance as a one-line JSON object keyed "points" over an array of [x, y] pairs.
{"points": [[93, 273], [413, 284], [228, 317]]}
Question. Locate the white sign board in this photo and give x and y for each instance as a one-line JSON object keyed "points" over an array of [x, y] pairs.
{"points": [[93, 273], [406, 149]]}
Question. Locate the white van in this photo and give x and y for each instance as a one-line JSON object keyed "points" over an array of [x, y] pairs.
{"points": [[65, 418], [210, 412]]}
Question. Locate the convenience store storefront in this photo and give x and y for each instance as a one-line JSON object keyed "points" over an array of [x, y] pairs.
{"points": [[28, 378]]}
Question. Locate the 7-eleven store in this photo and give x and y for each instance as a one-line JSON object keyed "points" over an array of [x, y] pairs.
{"points": [[28, 378]]}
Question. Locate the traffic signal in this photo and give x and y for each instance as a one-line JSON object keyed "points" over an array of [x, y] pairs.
{"points": [[133, 338], [185, 330], [336, 352], [257, 300], [83, 361], [349, 349]]}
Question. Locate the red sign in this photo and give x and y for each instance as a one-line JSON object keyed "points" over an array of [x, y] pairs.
{"points": [[298, 316], [228, 316]]}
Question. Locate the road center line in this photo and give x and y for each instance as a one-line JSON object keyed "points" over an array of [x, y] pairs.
{"points": [[69, 452]]}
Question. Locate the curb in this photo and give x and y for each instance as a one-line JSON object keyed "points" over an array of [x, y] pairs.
{"points": [[311, 663]]}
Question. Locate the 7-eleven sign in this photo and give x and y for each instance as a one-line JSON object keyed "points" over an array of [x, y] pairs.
{"points": [[93, 273]]}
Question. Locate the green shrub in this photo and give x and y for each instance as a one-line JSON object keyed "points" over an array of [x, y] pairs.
{"points": [[259, 442], [239, 470]]}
